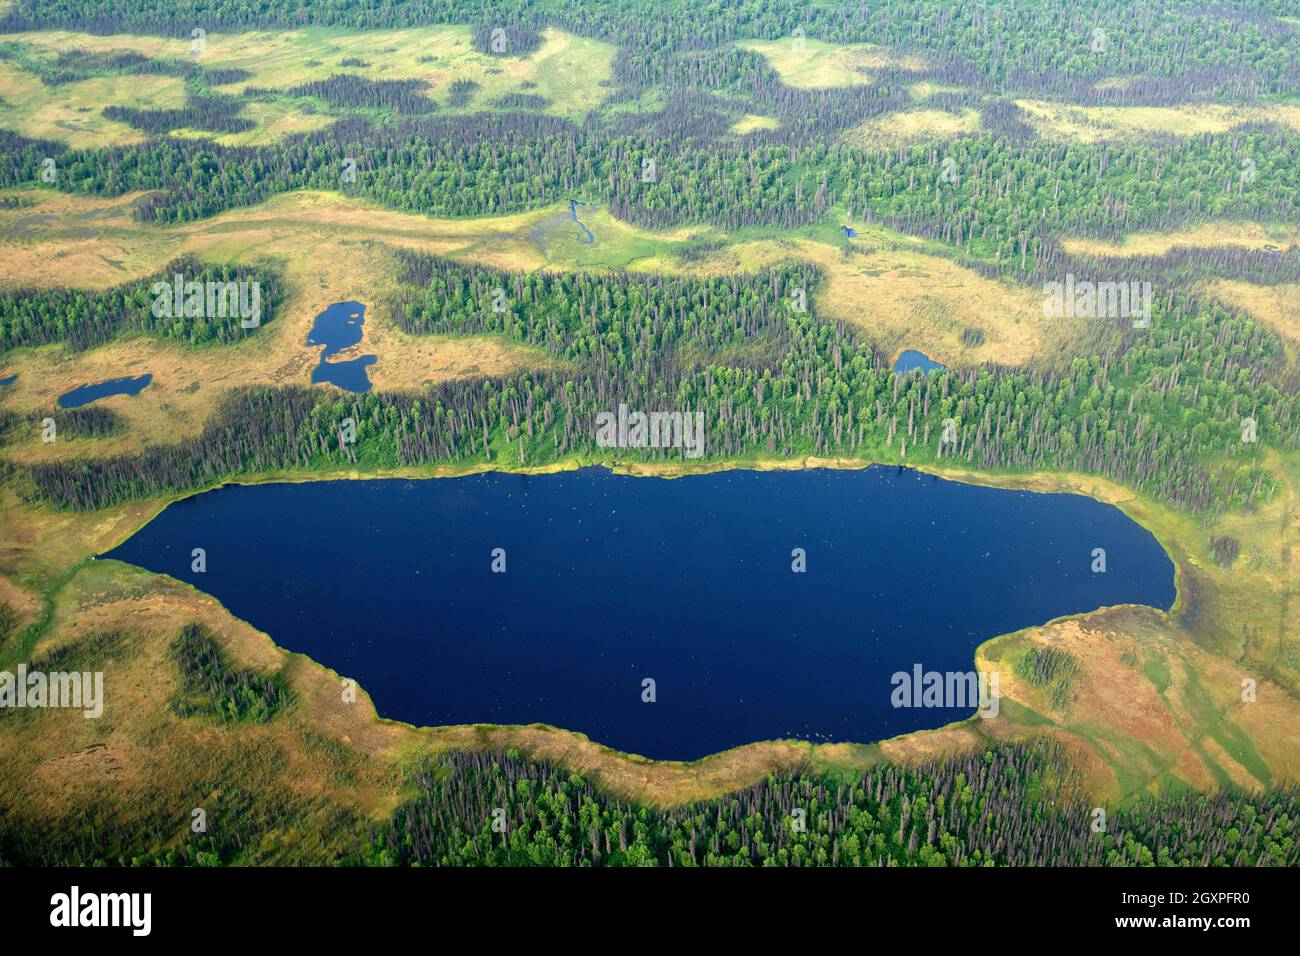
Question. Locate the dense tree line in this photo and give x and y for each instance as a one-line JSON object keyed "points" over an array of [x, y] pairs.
{"points": [[501, 37], [88, 421], [1160, 410], [461, 92], [1008, 202], [84, 319], [521, 101], [350, 91], [1179, 48], [1002, 196], [994, 199], [1006, 199], [84, 422], [220, 76], [210, 112], [1009, 805], [211, 686], [1005, 806]]}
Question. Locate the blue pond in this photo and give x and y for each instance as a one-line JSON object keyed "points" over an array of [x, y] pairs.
{"points": [[350, 375], [339, 328], [573, 209], [610, 580], [910, 359], [86, 394], [8, 379]]}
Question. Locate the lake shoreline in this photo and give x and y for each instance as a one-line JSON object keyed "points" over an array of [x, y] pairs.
{"points": [[1095, 489]]}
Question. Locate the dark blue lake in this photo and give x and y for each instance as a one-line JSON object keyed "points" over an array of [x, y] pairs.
{"points": [[910, 359], [610, 580], [339, 328], [86, 394], [9, 379], [349, 375]]}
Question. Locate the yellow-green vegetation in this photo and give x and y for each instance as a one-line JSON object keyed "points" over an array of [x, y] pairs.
{"points": [[1272, 237], [131, 756], [271, 121], [60, 239], [1115, 83], [1277, 306], [751, 122], [70, 112], [145, 766], [1149, 707], [1089, 124], [913, 126], [813, 64], [567, 71], [924, 89]]}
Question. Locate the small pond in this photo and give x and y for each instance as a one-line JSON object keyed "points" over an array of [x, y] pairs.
{"points": [[85, 394]]}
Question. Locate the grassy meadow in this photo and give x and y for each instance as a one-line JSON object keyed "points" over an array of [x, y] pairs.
{"points": [[1089, 124]]}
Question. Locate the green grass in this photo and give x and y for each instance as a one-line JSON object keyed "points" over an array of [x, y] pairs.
{"points": [[617, 246], [1223, 731], [1156, 670]]}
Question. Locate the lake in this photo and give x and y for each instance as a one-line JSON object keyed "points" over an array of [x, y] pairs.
{"points": [[86, 394], [349, 374], [339, 328], [610, 580]]}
